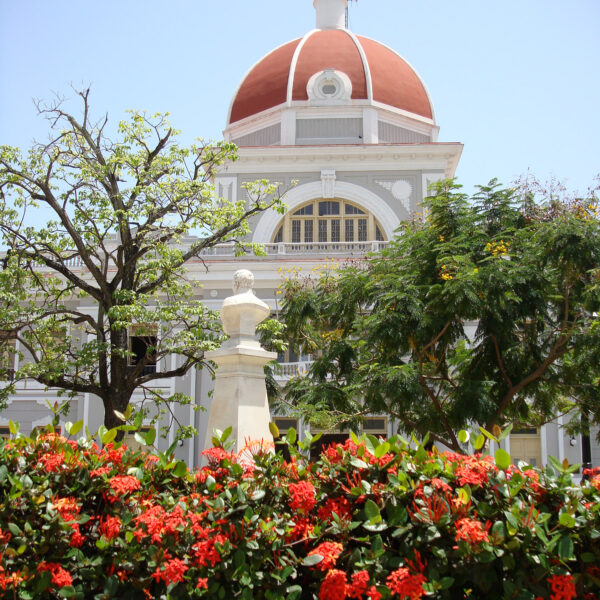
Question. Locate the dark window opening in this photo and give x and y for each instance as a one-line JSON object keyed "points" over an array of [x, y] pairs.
{"points": [[143, 348]]}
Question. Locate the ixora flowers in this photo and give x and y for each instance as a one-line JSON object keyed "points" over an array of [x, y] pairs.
{"points": [[370, 519]]}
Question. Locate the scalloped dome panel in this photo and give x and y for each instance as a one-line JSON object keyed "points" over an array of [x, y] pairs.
{"points": [[393, 81]]}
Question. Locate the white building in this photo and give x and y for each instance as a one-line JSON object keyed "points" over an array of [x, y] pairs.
{"points": [[348, 126]]}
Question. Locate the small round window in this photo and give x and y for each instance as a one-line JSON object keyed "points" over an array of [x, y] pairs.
{"points": [[329, 89]]}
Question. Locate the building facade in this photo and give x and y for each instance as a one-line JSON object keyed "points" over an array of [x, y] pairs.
{"points": [[346, 126]]}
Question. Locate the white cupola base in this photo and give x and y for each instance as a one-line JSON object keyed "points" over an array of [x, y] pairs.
{"points": [[331, 14]]}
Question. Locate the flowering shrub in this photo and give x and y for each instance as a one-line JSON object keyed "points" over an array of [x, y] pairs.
{"points": [[368, 520]]}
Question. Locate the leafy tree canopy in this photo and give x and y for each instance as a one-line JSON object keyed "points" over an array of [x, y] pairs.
{"points": [[111, 264], [482, 311]]}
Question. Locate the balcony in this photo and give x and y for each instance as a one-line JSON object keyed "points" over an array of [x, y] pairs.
{"points": [[303, 249], [287, 370]]}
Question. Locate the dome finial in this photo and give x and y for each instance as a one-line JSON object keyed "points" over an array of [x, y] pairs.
{"points": [[331, 14]]}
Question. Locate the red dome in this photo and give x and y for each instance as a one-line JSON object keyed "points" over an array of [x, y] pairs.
{"points": [[376, 72]]}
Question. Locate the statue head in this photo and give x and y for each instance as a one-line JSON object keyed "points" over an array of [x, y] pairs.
{"points": [[243, 281]]}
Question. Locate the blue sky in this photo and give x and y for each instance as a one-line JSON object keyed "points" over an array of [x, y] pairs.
{"points": [[516, 81]]}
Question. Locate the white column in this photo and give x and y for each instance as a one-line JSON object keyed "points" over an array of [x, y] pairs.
{"points": [[240, 396], [370, 126], [288, 127]]}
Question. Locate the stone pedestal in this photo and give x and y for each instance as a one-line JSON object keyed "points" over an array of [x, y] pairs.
{"points": [[240, 396]]}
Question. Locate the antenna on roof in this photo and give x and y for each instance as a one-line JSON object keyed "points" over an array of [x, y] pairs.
{"points": [[347, 12]]}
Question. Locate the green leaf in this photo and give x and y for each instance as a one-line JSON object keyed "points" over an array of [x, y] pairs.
{"points": [[76, 427], [505, 432], [502, 458], [180, 469], [565, 547], [120, 415], [67, 591], [226, 434], [488, 435], [109, 436], [14, 529], [566, 520], [359, 464], [293, 592], [372, 511], [13, 427], [556, 463], [382, 449], [588, 557], [274, 430], [139, 438], [375, 527], [311, 560], [464, 494], [463, 438], [150, 436], [291, 435], [446, 582], [479, 442]]}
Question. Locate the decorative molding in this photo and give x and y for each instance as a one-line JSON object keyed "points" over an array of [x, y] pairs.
{"points": [[330, 87], [371, 202], [401, 190], [226, 187], [328, 183]]}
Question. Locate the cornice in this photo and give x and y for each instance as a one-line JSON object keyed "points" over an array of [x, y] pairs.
{"points": [[435, 156]]}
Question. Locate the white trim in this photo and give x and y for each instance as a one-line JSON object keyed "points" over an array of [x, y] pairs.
{"points": [[544, 445], [426, 180], [561, 440], [413, 70], [365, 62], [290, 85], [387, 218]]}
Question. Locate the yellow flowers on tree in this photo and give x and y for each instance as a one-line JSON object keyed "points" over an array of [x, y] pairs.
{"points": [[111, 264], [484, 313]]}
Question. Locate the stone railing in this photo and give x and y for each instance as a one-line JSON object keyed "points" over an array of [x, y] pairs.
{"points": [[288, 370], [308, 248], [228, 250]]}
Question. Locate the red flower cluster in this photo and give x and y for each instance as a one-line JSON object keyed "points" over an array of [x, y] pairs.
{"points": [[473, 472], [51, 461], [205, 552], [302, 496], [100, 471], [122, 484], [9, 579], [110, 527], [358, 586], [333, 587], [4, 536], [563, 587], [77, 538], [60, 577], [173, 571], [157, 522], [340, 506], [472, 531], [405, 584], [67, 508], [330, 552]]}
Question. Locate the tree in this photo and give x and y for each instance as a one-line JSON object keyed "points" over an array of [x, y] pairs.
{"points": [[482, 311], [99, 295]]}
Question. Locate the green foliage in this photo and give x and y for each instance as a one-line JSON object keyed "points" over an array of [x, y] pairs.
{"points": [[377, 517], [482, 311], [111, 264]]}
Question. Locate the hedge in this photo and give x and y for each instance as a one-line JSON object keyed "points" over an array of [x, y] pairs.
{"points": [[370, 519]]}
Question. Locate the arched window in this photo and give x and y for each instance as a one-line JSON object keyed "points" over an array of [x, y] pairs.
{"points": [[332, 220]]}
